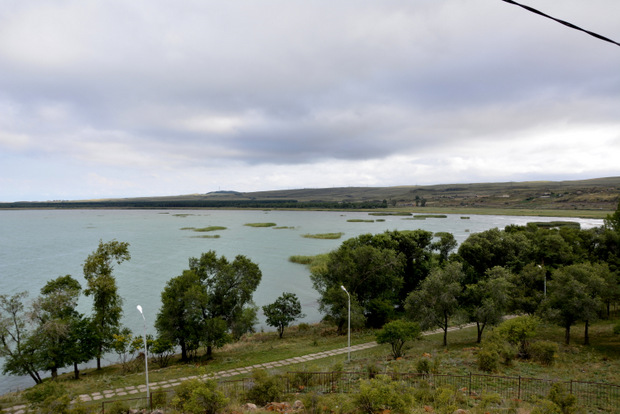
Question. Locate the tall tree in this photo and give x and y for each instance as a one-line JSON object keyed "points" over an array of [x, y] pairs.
{"points": [[437, 298], [281, 313], [55, 314], [372, 275], [15, 331], [107, 303], [487, 300], [179, 319], [209, 301], [574, 295]]}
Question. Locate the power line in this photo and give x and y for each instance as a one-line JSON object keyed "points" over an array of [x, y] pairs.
{"points": [[565, 23]]}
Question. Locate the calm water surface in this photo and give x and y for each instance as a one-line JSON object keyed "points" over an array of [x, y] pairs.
{"points": [[39, 245]]}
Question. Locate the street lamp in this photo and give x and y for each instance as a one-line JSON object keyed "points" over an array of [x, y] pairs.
{"points": [[349, 325], [146, 359], [544, 282]]}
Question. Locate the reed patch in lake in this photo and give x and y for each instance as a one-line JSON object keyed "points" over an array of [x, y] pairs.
{"points": [[360, 221], [388, 213], [284, 227], [326, 236], [207, 236], [260, 224], [204, 229]]}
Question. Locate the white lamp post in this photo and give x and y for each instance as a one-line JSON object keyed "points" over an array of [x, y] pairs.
{"points": [[349, 326], [146, 359]]}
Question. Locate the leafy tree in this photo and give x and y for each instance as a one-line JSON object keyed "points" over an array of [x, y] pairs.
{"points": [[437, 299], [283, 312], [371, 274], [245, 321], [179, 319], [226, 288], [528, 292], [396, 333], [15, 330], [490, 248], [107, 303], [612, 221], [487, 301], [445, 245], [56, 315], [574, 295]]}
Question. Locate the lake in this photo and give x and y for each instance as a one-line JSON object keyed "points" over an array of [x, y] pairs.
{"points": [[39, 245]]}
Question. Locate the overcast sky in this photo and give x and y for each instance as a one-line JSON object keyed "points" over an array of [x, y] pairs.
{"points": [[121, 98]]}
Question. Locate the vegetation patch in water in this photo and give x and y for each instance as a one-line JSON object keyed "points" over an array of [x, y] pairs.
{"points": [[283, 227], [260, 224], [556, 224], [359, 221], [425, 216], [323, 236], [464, 217], [210, 228], [390, 214], [207, 236]]}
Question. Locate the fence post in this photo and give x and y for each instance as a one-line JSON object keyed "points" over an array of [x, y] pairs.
{"points": [[571, 386], [519, 392]]}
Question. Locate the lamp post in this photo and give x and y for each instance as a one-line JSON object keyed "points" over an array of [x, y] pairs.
{"points": [[146, 359], [349, 326], [544, 281]]}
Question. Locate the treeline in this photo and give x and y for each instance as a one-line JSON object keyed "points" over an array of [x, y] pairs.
{"points": [[565, 275], [203, 203]]}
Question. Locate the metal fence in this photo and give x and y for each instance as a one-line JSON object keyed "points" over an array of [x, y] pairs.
{"points": [[597, 395], [594, 395]]}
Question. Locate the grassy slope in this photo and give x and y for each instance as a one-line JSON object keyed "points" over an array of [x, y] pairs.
{"points": [[599, 362]]}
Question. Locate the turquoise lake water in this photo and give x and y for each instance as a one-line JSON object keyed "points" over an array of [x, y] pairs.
{"points": [[39, 245]]}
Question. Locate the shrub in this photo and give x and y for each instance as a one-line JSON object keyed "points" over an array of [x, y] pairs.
{"points": [[546, 407], [488, 360], [518, 331], [267, 388], [617, 329], [196, 396], [565, 401], [544, 352], [160, 399], [118, 407], [423, 365], [381, 393], [396, 333], [48, 398]]}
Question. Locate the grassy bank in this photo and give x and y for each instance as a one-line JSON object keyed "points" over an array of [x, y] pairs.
{"points": [[599, 362]]}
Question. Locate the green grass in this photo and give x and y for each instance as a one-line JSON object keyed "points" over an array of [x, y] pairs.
{"points": [[260, 224], [599, 362], [323, 236]]}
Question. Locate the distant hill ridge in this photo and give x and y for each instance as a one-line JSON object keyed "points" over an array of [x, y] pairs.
{"points": [[592, 194]]}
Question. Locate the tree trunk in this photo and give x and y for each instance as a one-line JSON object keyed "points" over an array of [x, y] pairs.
{"points": [[567, 335], [586, 335], [54, 372], [209, 351], [98, 363], [445, 331], [183, 351], [76, 371], [480, 330]]}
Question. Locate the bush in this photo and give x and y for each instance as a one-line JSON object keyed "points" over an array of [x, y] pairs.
{"points": [[488, 360], [267, 388], [544, 352], [518, 331], [49, 397], [423, 366], [396, 333], [196, 396], [118, 407], [617, 329], [160, 399], [565, 401], [381, 393]]}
